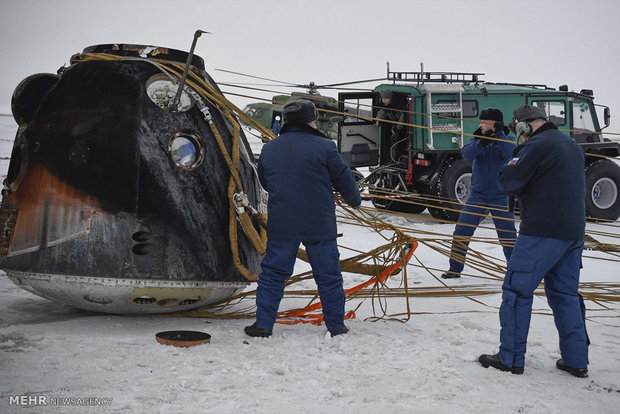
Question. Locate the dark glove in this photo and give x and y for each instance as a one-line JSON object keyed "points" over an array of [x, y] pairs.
{"points": [[485, 142], [500, 127], [477, 134]]}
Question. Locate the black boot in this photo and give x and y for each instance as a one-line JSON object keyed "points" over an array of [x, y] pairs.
{"points": [[577, 372], [495, 362], [252, 330], [450, 275], [340, 331]]}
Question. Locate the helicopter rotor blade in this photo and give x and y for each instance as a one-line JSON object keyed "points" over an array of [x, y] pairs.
{"points": [[233, 85], [350, 83], [347, 89], [242, 84], [257, 77]]}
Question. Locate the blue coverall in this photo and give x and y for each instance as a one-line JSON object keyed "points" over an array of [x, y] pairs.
{"points": [[485, 196], [299, 169], [546, 174]]}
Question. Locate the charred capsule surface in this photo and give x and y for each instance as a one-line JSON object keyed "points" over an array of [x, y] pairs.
{"points": [[111, 179]]}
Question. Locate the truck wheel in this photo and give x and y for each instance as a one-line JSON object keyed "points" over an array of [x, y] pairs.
{"points": [[454, 183], [358, 176], [393, 183], [602, 186]]}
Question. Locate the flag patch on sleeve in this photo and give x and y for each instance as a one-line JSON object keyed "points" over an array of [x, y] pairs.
{"points": [[513, 161]]}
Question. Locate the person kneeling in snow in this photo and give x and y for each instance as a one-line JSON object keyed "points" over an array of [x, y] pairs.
{"points": [[298, 170]]}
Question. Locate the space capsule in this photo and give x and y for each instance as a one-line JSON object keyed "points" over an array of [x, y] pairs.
{"points": [[123, 194]]}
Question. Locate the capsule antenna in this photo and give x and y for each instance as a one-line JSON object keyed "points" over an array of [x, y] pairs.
{"points": [[177, 98]]}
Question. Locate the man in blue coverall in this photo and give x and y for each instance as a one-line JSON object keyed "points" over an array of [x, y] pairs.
{"points": [[547, 175], [299, 170], [275, 128], [488, 157]]}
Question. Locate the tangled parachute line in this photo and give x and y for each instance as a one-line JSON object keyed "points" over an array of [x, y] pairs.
{"points": [[387, 261]]}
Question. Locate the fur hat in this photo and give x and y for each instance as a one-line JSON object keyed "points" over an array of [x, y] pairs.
{"points": [[529, 113], [386, 94], [301, 111], [491, 114]]}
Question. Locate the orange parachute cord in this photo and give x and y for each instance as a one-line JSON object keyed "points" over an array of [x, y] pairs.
{"points": [[304, 315]]}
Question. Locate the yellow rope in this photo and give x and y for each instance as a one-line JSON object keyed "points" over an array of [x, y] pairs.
{"points": [[601, 294]]}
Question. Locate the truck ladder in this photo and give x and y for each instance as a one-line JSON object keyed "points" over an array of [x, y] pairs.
{"points": [[455, 108]]}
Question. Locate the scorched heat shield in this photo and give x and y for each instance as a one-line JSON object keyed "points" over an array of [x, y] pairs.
{"points": [[119, 196]]}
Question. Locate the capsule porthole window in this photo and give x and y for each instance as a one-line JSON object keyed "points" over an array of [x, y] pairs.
{"points": [[186, 150]]}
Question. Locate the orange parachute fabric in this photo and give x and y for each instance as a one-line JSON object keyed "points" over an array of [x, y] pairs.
{"points": [[304, 315]]}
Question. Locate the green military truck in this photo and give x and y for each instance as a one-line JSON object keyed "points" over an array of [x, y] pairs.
{"points": [[442, 108]]}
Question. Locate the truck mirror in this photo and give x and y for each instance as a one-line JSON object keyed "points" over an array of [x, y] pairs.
{"points": [[606, 116]]}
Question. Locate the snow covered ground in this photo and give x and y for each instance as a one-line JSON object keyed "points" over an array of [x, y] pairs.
{"points": [[113, 364]]}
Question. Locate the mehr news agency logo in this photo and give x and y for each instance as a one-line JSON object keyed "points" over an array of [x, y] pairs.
{"points": [[35, 400]]}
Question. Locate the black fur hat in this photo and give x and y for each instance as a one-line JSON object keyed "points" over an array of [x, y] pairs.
{"points": [[300, 111], [492, 114]]}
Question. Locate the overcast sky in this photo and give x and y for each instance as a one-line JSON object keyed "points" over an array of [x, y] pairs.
{"points": [[552, 42]]}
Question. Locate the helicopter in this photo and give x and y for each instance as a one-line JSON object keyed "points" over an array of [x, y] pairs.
{"points": [[267, 113], [131, 186]]}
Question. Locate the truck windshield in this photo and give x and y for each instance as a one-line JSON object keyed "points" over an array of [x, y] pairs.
{"points": [[582, 116]]}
